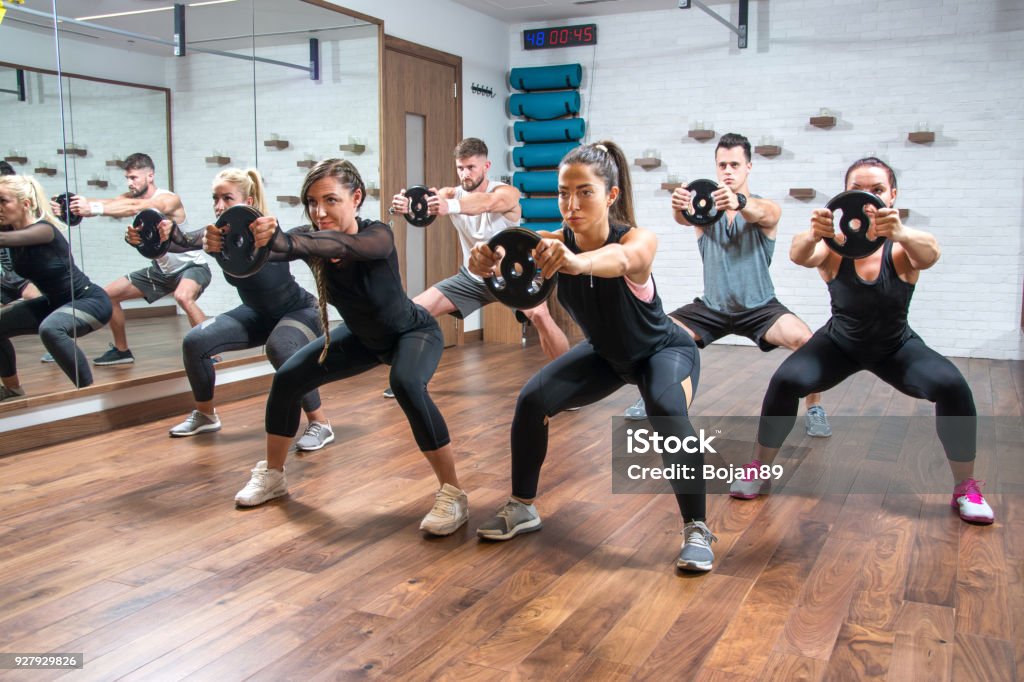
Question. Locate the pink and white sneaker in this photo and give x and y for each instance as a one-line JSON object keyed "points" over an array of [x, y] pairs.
{"points": [[967, 500], [750, 486]]}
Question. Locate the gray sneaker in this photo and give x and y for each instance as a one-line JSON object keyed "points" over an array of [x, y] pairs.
{"points": [[10, 393], [388, 393], [197, 422], [512, 519], [315, 437], [115, 357], [48, 357], [817, 423], [450, 511], [637, 412], [696, 554]]}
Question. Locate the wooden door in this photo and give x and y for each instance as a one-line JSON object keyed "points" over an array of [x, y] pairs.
{"points": [[422, 123]]}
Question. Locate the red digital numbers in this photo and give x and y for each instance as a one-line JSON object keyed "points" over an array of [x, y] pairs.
{"points": [[560, 36]]}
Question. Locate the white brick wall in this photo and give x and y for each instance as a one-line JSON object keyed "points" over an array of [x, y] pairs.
{"points": [[884, 67]]}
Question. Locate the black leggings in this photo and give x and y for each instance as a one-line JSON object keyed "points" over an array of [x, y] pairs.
{"points": [[57, 326], [241, 328], [413, 359], [914, 369], [581, 377]]}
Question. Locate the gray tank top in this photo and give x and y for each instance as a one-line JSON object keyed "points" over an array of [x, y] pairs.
{"points": [[736, 258]]}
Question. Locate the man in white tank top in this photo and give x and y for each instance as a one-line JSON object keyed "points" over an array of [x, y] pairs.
{"points": [[479, 208], [186, 275]]}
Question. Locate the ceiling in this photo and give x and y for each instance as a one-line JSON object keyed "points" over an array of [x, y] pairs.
{"points": [[522, 11], [212, 25]]}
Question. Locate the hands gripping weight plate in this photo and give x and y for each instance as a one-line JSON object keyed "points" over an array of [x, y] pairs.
{"points": [[238, 255], [418, 214], [520, 284], [857, 244], [704, 211], [66, 216], [147, 222]]}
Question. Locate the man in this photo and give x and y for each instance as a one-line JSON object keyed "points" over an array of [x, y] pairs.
{"points": [[739, 297], [479, 208], [186, 275]]}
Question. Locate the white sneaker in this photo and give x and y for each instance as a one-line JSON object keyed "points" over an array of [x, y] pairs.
{"points": [[197, 422], [10, 393], [450, 511], [265, 484], [315, 437]]}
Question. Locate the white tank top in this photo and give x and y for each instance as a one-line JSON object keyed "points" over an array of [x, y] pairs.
{"points": [[474, 229], [170, 263]]}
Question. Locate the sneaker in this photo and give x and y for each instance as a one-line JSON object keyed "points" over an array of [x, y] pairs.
{"points": [[115, 357], [512, 519], [197, 422], [315, 437], [748, 487], [47, 358], [450, 511], [265, 484], [11, 393], [968, 501], [696, 554], [388, 393], [637, 412], [817, 422]]}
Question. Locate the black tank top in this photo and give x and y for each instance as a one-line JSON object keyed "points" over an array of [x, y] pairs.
{"points": [[869, 319], [50, 268], [621, 328]]}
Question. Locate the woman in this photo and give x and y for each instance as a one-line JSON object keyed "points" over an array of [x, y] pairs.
{"points": [[604, 264], [275, 312], [70, 305], [868, 330], [356, 270]]}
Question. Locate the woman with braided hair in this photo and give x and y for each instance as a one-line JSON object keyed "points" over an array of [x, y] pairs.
{"points": [[356, 270]]}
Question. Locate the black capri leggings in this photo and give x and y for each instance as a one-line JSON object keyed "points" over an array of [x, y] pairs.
{"points": [[581, 377], [914, 369], [413, 359], [245, 327], [57, 326]]}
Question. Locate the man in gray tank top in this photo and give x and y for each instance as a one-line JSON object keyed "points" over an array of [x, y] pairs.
{"points": [[739, 297]]}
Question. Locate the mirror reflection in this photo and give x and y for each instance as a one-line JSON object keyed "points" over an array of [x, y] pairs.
{"points": [[145, 128]]}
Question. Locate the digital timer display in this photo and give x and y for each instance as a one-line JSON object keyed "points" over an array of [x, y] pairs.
{"points": [[559, 36]]}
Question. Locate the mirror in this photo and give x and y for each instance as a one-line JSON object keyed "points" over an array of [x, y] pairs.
{"points": [[213, 108]]}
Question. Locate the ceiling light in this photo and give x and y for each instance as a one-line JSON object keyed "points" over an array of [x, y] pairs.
{"points": [[147, 11]]}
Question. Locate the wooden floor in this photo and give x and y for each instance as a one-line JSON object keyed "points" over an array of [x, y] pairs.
{"points": [[127, 547]]}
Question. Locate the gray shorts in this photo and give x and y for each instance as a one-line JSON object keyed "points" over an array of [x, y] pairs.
{"points": [[154, 283], [466, 292]]}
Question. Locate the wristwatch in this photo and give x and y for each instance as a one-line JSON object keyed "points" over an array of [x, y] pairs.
{"points": [[741, 201]]}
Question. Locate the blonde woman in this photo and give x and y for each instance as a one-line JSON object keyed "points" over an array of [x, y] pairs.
{"points": [[70, 305]]}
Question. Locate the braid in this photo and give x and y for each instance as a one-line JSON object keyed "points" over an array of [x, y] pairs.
{"points": [[317, 266]]}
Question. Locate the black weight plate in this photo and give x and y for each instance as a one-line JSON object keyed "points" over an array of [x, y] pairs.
{"points": [[66, 216], [523, 287], [238, 255], [851, 203], [704, 211], [418, 214], [147, 222]]}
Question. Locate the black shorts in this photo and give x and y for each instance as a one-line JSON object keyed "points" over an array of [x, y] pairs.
{"points": [[708, 324]]}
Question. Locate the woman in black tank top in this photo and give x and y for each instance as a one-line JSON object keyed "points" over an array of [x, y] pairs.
{"points": [[868, 330], [604, 265]]}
